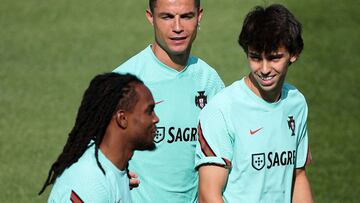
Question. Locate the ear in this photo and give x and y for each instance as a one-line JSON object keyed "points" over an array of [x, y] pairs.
{"points": [[293, 58], [149, 16], [121, 119], [200, 13]]}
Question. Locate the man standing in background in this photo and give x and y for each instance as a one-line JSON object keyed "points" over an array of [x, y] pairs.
{"points": [[181, 85]]}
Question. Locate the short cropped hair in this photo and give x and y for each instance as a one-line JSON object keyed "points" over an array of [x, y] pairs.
{"points": [[265, 29], [152, 4]]}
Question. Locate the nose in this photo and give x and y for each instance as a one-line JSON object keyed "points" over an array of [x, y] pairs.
{"points": [[177, 26], [265, 67], [155, 118]]}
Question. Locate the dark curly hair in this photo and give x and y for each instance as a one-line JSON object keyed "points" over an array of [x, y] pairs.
{"points": [[265, 29]]}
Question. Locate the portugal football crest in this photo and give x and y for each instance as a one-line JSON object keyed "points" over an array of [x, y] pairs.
{"points": [[291, 124], [258, 161], [201, 99], [160, 134]]}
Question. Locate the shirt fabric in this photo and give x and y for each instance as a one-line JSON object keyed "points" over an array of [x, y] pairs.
{"points": [[261, 143], [167, 174], [84, 181]]}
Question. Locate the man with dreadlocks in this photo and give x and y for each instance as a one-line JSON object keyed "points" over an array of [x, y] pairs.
{"points": [[116, 117]]}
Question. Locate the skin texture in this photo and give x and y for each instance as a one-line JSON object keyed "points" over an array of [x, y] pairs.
{"points": [[268, 72], [131, 130], [212, 180], [142, 120], [302, 189], [175, 25]]}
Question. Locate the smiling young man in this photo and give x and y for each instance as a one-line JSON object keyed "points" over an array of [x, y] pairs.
{"points": [[182, 85], [116, 117], [253, 142]]}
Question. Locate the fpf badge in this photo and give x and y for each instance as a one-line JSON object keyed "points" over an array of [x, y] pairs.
{"points": [[291, 124], [201, 99]]}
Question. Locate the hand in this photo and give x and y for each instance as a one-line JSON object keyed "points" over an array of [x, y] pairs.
{"points": [[133, 180]]}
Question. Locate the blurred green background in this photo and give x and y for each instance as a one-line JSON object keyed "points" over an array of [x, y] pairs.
{"points": [[50, 50]]}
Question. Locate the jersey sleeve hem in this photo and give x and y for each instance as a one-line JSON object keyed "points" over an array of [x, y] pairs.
{"points": [[223, 162]]}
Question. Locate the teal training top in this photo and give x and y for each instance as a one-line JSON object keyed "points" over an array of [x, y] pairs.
{"points": [[167, 174], [261, 143], [83, 181]]}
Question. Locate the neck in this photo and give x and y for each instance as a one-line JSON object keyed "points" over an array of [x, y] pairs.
{"points": [[116, 150], [269, 96], [175, 61]]}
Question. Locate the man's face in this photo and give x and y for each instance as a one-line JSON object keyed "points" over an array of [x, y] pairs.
{"points": [[175, 25], [268, 71], [142, 120]]}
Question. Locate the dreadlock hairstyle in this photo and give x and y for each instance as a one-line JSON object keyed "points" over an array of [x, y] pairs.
{"points": [[106, 94], [266, 28]]}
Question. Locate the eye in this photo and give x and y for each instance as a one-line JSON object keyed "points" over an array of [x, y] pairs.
{"points": [[166, 16], [150, 110], [254, 58], [275, 58], [187, 16]]}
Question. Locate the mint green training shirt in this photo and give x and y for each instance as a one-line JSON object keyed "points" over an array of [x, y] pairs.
{"points": [[261, 143], [167, 174], [84, 181]]}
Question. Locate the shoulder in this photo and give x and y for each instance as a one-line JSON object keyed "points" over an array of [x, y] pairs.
{"points": [[203, 72], [198, 65], [135, 64], [293, 93], [79, 186], [223, 100]]}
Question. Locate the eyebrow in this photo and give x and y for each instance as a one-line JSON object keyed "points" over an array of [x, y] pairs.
{"points": [[190, 13], [253, 53]]}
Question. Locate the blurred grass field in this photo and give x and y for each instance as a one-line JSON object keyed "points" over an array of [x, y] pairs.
{"points": [[50, 50]]}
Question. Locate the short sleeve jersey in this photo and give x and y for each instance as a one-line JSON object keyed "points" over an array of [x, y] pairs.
{"points": [[167, 174], [261, 143], [84, 181]]}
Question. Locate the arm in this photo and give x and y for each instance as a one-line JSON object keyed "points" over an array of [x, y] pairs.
{"points": [[212, 180], [302, 189]]}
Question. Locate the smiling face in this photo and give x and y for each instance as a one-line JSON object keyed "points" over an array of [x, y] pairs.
{"points": [[175, 25], [142, 120], [268, 72]]}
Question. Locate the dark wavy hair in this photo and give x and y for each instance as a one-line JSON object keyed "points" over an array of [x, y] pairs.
{"points": [[265, 29], [106, 94]]}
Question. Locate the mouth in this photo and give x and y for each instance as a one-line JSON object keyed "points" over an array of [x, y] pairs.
{"points": [[266, 80], [178, 40]]}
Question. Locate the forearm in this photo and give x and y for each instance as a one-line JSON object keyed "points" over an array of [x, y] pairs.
{"points": [[210, 198], [212, 180], [302, 189]]}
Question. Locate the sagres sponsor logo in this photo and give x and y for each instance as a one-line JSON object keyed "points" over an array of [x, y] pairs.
{"points": [[291, 124], [273, 159], [258, 161], [160, 134], [201, 99], [173, 134]]}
